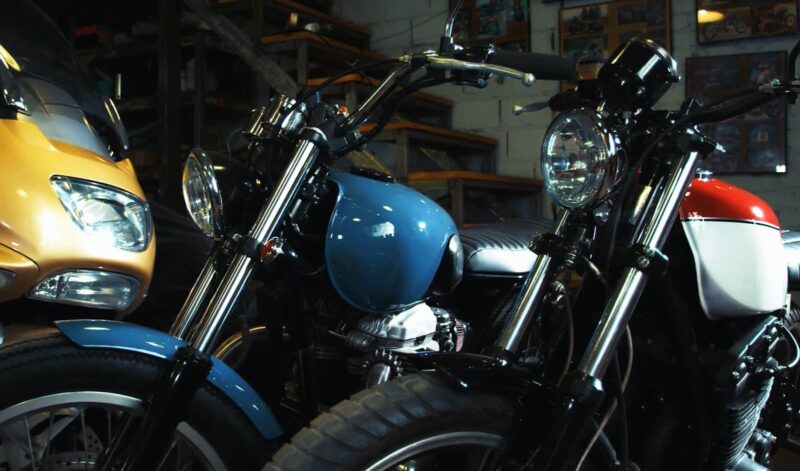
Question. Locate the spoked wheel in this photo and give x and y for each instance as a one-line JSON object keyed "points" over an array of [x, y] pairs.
{"points": [[458, 450], [71, 430], [61, 404], [416, 422]]}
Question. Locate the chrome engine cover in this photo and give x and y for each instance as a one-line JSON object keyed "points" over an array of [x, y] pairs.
{"points": [[408, 331]]}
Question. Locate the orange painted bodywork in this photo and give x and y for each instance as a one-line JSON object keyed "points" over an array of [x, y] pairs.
{"points": [[38, 237]]}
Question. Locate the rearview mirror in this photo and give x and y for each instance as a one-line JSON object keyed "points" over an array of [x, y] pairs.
{"points": [[446, 42], [11, 95]]}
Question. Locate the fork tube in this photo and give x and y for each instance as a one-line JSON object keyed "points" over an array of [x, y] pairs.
{"points": [[243, 265], [531, 296], [185, 319], [626, 295]]}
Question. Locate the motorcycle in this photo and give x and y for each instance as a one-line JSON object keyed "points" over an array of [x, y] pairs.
{"points": [[75, 230], [354, 273], [678, 349], [732, 23], [775, 19]]}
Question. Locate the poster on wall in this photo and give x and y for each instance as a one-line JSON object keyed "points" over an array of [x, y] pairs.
{"points": [[590, 33], [742, 19], [754, 142], [504, 23]]}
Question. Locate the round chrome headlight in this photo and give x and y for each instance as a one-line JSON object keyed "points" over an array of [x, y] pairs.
{"points": [[578, 159], [201, 193]]}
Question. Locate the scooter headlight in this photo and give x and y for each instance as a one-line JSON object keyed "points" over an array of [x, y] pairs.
{"points": [[201, 193], [579, 161], [97, 289], [107, 213]]}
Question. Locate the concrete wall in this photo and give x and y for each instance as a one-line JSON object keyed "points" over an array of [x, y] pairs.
{"points": [[406, 25]]}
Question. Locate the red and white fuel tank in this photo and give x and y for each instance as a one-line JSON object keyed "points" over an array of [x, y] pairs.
{"points": [[736, 241]]}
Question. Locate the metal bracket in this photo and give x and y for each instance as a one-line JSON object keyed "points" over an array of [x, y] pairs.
{"points": [[650, 261], [550, 244]]}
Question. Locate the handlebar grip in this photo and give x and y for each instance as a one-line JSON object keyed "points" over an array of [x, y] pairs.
{"points": [[721, 113], [543, 66]]}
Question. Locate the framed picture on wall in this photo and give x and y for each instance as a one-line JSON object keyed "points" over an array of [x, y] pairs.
{"points": [[742, 19], [754, 142], [591, 32], [504, 23]]}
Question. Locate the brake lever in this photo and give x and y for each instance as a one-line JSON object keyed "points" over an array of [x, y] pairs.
{"points": [[517, 110], [436, 62]]}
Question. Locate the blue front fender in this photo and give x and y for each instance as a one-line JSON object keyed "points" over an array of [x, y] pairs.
{"points": [[123, 336]]}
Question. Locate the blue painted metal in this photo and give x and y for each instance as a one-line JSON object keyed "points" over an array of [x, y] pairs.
{"points": [[384, 244], [123, 336]]}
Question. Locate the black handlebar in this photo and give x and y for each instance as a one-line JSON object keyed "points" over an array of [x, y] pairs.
{"points": [[543, 66], [716, 113]]}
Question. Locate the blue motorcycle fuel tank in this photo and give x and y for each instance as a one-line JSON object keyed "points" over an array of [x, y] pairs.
{"points": [[385, 243]]}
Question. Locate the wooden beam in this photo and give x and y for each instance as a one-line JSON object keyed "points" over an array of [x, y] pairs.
{"points": [[199, 87], [317, 39], [169, 101], [451, 133], [476, 176], [244, 46], [289, 5]]}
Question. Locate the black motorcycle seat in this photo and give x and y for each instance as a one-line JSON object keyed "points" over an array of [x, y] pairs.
{"points": [[791, 244], [501, 249]]}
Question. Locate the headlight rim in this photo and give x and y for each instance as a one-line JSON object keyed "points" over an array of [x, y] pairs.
{"points": [[83, 225], [611, 165], [209, 179]]}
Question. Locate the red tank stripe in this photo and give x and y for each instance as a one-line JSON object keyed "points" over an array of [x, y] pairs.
{"points": [[714, 198]]}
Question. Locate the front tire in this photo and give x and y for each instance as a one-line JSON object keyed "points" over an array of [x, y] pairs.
{"points": [[48, 381], [393, 422]]}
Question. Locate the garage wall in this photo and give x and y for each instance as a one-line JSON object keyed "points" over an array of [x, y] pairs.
{"points": [[405, 25]]}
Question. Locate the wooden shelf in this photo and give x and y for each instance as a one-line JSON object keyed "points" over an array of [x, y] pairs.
{"points": [[405, 134], [436, 131], [371, 82], [144, 47], [456, 183], [475, 179], [308, 48], [323, 43], [348, 31], [354, 88], [309, 13], [459, 138], [217, 100]]}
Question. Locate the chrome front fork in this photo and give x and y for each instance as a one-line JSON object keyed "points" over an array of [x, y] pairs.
{"points": [[652, 234], [533, 291], [625, 297], [243, 265]]}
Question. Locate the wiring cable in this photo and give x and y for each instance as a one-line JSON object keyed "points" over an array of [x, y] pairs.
{"points": [[607, 416]]}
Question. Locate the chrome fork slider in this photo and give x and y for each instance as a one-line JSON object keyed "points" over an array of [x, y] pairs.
{"points": [[533, 291], [266, 224], [184, 322], [652, 236]]}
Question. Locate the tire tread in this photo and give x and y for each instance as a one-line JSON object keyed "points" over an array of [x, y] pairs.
{"points": [[392, 413]]}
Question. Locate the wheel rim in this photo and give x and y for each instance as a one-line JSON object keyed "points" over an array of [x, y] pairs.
{"points": [[34, 434], [492, 444]]}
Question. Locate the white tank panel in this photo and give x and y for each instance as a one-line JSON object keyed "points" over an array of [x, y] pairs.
{"points": [[741, 266]]}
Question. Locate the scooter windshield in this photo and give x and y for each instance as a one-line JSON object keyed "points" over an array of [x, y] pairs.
{"points": [[52, 78]]}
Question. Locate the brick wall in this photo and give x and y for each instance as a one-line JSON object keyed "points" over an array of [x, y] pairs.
{"points": [[406, 25]]}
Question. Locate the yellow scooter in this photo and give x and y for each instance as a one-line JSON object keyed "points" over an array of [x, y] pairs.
{"points": [[75, 228]]}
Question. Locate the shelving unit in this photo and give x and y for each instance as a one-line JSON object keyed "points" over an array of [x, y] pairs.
{"points": [[458, 183], [419, 145], [353, 89], [408, 134], [312, 48]]}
